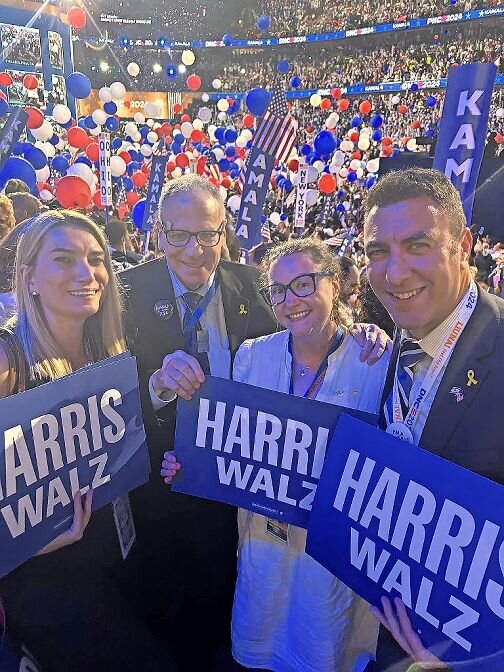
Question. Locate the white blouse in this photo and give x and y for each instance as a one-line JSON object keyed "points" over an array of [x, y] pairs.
{"points": [[290, 614]]}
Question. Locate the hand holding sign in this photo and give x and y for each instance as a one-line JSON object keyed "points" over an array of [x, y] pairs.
{"points": [[81, 517], [181, 373], [401, 629], [169, 467]]}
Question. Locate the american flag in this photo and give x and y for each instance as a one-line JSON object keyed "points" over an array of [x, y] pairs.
{"points": [[212, 167], [266, 232], [277, 130]]}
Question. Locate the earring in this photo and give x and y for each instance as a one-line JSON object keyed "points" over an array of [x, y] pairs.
{"points": [[34, 293]]}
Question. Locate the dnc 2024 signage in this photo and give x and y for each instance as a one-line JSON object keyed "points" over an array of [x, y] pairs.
{"points": [[392, 519], [254, 448]]}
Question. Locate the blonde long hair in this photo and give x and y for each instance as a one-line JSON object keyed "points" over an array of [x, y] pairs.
{"points": [[103, 331]]}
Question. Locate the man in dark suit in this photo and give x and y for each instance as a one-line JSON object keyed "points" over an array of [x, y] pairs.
{"points": [[181, 571], [418, 247]]}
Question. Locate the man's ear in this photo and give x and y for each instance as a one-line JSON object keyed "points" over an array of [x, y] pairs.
{"points": [[466, 244]]}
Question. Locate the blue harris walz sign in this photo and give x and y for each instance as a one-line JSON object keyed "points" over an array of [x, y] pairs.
{"points": [[392, 519], [254, 448], [82, 431]]}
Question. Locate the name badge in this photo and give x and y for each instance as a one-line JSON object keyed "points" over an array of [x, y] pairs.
{"points": [[278, 530], [399, 430], [125, 525], [203, 341]]}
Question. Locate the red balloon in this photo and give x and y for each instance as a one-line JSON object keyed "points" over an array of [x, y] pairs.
{"points": [[327, 183], [200, 165], [35, 117], [132, 197], [194, 82], [365, 107], [145, 169], [343, 104], [5, 79], [93, 151], [76, 17], [97, 200], [73, 192], [197, 136], [248, 120], [386, 140], [182, 161], [354, 136], [293, 165], [336, 93], [77, 137], [325, 104], [139, 179], [177, 108], [30, 82], [416, 123], [170, 166], [184, 118], [387, 150], [499, 138], [226, 182], [402, 109], [356, 155], [125, 157]]}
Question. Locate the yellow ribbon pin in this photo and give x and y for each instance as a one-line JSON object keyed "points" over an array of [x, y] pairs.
{"points": [[470, 378], [243, 310]]}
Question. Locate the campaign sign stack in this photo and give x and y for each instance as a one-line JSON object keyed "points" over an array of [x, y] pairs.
{"points": [[82, 431], [390, 519], [254, 448]]}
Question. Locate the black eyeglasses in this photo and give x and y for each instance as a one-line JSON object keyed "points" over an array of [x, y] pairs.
{"points": [[180, 237], [302, 285]]}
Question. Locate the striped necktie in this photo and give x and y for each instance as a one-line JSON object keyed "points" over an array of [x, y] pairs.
{"points": [[410, 353], [191, 300]]}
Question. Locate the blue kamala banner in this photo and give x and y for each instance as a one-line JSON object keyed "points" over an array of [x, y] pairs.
{"points": [[84, 430], [259, 168], [254, 448], [10, 134], [392, 519], [156, 181], [461, 142]]}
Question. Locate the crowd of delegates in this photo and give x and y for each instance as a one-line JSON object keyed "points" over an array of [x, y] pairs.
{"points": [[318, 16], [409, 56]]}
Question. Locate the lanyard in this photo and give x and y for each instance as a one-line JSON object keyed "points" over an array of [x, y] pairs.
{"points": [[200, 308], [335, 343], [452, 334]]}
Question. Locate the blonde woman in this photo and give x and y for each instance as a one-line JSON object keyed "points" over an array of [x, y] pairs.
{"points": [[64, 604]]}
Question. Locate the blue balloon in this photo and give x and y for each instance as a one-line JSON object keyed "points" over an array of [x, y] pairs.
{"points": [[295, 82], [116, 143], [377, 135], [224, 165], [110, 108], [376, 121], [414, 87], [227, 40], [4, 107], [84, 159], [341, 194], [257, 100], [89, 122], [127, 183], [283, 66], [137, 213], [340, 207], [220, 133], [230, 151], [356, 122], [351, 177], [59, 163], [54, 139], [36, 157], [112, 124], [78, 85], [18, 149], [144, 131], [430, 101], [305, 149], [19, 168], [68, 124], [263, 22], [284, 216], [287, 185], [230, 135], [324, 143], [279, 180], [370, 181], [430, 133]]}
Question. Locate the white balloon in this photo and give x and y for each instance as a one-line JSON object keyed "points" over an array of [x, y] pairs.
{"points": [[315, 100], [217, 84], [338, 158], [197, 124], [346, 205], [84, 171], [396, 100], [188, 57], [343, 173], [137, 137], [222, 104], [205, 114], [146, 150], [139, 118], [45, 195], [241, 141], [99, 117], [43, 174], [222, 116], [319, 166], [61, 114], [219, 153], [118, 90], [247, 133], [176, 131], [274, 218], [44, 132], [311, 197], [500, 113], [151, 137], [347, 146], [49, 149], [187, 128], [156, 125], [151, 110], [360, 173], [131, 128], [177, 172], [312, 174], [133, 69], [354, 164], [92, 131], [105, 94], [333, 168], [411, 145], [205, 97], [150, 123], [373, 165], [364, 142], [331, 122], [234, 203], [117, 166]]}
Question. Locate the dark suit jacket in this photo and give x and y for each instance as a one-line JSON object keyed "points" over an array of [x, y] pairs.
{"points": [[189, 539], [467, 433]]}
